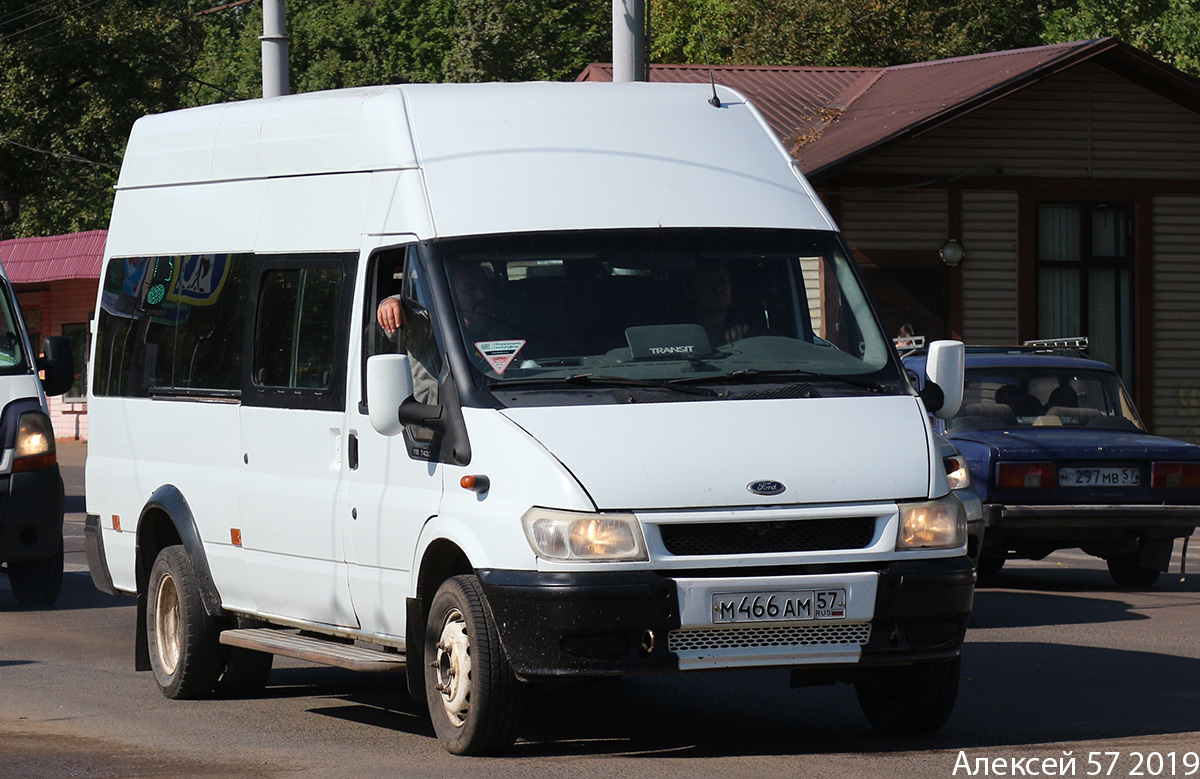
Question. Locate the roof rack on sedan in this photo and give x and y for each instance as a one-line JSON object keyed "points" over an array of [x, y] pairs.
{"points": [[1066, 347], [1078, 342]]}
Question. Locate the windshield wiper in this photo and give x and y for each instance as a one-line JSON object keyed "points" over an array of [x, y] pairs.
{"points": [[601, 380], [751, 374]]}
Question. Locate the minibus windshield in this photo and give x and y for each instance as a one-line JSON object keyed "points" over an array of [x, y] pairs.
{"points": [[685, 306], [664, 305]]}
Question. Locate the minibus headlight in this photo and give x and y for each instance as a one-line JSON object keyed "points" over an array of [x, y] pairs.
{"points": [[581, 536], [936, 524], [35, 443]]}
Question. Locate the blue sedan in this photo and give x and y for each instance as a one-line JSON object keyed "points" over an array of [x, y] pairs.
{"points": [[1061, 460]]}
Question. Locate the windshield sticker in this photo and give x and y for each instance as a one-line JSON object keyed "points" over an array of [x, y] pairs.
{"points": [[499, 354]]}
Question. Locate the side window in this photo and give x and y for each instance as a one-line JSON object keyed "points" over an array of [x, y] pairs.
{"points": [[299, 337], [172, 325], [398, 276]]}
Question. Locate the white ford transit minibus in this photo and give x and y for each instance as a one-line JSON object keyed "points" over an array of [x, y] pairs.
{"points": [[639, 416]]}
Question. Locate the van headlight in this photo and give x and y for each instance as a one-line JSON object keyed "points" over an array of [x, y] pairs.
{"points": [[583, 536], [35, 443], [935, 524]]}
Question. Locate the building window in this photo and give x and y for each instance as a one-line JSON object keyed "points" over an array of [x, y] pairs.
{"points": [[33, 324], [1085, 264], [78, 336]]}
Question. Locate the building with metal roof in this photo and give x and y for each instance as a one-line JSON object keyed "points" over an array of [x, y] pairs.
{"points": [[56, 278], [1044, 192]]}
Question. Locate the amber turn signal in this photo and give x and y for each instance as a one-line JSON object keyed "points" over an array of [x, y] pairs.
{"points": [[475, 483]]}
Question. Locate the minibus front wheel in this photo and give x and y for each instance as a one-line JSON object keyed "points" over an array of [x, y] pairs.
{"points": [[473, 696], [909, 699], [184, 641]]}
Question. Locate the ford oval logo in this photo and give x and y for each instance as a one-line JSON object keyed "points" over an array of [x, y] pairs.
{"points": [[766, 487]]}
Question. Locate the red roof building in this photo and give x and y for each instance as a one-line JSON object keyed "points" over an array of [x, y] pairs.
{"points": [[1068, 174], [56, 279]]}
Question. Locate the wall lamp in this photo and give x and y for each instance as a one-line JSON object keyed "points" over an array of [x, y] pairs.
{"points": [[952, 252]]}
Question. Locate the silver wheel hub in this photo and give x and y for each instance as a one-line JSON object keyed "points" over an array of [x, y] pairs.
{"points": [[452, 665], [168, 629]]}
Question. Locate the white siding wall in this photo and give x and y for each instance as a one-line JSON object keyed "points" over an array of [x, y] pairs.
{"points": [[1086, 122], [1177, 317], [989, 270]]}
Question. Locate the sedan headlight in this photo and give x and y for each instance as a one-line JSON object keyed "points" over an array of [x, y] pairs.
{"points": [[583, 536], [956, 472], [936, 524]]}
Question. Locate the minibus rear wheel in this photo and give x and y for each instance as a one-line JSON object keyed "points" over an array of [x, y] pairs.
{"points": [[473, 696], [185, 650]]}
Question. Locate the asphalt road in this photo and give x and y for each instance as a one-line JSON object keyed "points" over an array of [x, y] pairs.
{"points": [[1056, 660]]}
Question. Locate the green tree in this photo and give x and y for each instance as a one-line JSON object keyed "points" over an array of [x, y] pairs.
{"points": [[1167, 29], [341, 43], [859, 33], [523, 40], [73, 78]]}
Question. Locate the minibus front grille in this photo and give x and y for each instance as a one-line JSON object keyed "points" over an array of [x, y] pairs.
{"points": [[710, 639], [741, 538]]}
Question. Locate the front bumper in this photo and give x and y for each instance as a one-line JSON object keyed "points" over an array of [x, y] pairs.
{"points": [[611, 623], [31, 514]]}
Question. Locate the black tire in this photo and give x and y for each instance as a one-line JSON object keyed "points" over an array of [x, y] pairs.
{"points": [[246, 671], [989, 565], [37, 583], [1127, 571], [909, 699], [185, 650], [473, 696]]}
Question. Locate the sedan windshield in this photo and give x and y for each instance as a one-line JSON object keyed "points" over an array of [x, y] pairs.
{"points": [[998, 398], [663, 306]]}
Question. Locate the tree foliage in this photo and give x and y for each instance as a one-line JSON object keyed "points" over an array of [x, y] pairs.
{"points": [[74, 74], [1167, 29], [863, 33], [341, 43], [73, 77]]}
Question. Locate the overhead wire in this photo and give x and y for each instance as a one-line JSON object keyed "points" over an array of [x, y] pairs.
{"points": [[33, 8], [63, 15], [59, 155]]}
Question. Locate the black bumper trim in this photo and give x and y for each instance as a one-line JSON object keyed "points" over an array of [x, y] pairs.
{"points": [[93, 543], [31, 515], [999, 515], [610, 623]]}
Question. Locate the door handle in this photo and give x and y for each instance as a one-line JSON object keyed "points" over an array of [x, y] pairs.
{"points": [[352, 452]]}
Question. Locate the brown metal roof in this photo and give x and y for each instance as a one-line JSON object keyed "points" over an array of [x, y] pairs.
{"points": [[790, 99], [53, 258], [830, 118]]}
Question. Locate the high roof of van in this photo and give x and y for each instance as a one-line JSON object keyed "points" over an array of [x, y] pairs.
{"points": [[501, 157]]}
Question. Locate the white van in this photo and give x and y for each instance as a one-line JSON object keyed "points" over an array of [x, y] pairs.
{"points": [[31, 489], [640, 416]]}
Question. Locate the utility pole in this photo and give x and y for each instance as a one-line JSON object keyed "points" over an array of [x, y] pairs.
{"points": [[274, 49], [629, 40]]}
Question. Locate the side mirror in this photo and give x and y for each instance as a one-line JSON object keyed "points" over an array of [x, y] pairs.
{"points": [[389, 383], [945, 371], [58, 364]]}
